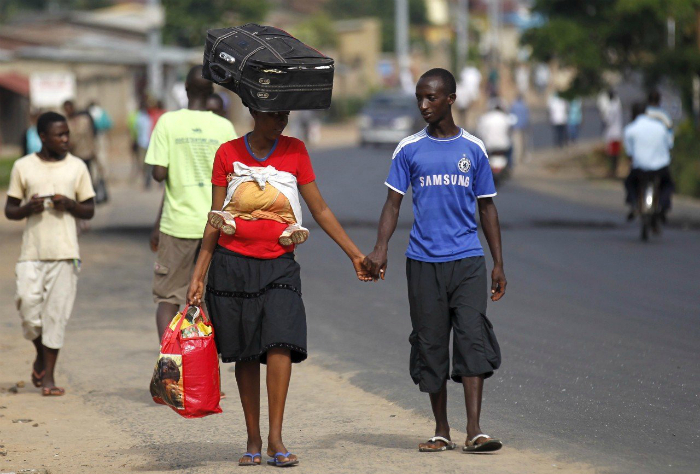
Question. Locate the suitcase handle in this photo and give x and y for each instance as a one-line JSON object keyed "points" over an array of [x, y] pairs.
{"points": [[226, 76]]}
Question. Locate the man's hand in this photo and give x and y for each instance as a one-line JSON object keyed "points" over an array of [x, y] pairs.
{"points": [[155, 238], [376, 263], [63, 203], [498, 283], [35, 205], [360, 269], [195, 292]]}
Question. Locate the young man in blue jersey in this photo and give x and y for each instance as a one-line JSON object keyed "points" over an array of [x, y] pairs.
{"points": [[447, 286]]}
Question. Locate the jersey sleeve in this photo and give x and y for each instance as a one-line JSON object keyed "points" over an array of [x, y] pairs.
{"points": [[399, 178], [158, 153], [17, 188], [218, 171], [305, 172], [484, 186], [83, 185]]}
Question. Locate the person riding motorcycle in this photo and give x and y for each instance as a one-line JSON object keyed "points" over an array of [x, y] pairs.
{"points": [[494, 130], [648, 141]]}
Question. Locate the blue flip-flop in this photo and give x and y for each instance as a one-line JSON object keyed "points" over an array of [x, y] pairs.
{"points": [[252, 457], [274, 462]]}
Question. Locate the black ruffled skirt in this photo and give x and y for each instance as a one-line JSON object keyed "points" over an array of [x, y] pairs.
{"points": [[255, 305]]}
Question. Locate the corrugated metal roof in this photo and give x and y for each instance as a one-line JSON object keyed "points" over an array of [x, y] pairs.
{"points": [[17, 83]]}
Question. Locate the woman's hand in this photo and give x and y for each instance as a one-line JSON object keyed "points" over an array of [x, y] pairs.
{"points": [[360, 270], [195, 292]]}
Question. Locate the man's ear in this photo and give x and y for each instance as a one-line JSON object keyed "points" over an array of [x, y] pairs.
{"points": [[451, 98]]}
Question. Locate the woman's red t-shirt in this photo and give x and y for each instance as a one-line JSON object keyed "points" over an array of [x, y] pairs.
{"points": [[259, 238]]}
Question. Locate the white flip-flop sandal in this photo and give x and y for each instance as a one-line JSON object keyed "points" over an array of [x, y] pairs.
{"points": [[449, 445], [491, 444]]}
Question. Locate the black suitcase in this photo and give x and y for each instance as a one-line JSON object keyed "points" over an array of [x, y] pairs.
{"points": [[268, 68]]}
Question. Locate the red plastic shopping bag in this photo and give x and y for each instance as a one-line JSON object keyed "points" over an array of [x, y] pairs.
{"points": [[186, 376]]}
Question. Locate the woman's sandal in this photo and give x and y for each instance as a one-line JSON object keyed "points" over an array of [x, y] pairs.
{"points": [[491, 444], [275, 462], [52, 391], [38, 378], [449, 445], [252, 457]]}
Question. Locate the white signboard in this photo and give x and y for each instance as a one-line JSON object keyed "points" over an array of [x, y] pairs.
{"points": [[51, 89]]}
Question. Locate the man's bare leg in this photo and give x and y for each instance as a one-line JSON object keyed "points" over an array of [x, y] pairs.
{"points": [[50, 357], [164, 314], [438, 401], [248, 380], [38, 366], [279, 373], [473, 390]]}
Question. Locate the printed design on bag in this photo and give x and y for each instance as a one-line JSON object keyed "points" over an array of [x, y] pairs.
{"points": [[263, 95], [167, 381], [264, 81]]}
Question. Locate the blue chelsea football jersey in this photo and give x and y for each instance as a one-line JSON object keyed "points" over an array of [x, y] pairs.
{"points": [[447, 175]]}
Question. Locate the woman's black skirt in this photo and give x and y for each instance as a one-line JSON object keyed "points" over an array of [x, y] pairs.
{"points": [[255, 305]]}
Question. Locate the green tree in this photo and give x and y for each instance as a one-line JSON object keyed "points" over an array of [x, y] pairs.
{"points": [[187, 21], [384, 10], [594, 36]]}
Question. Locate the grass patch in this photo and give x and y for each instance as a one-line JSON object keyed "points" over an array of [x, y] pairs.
{"points": [[5, 168]]}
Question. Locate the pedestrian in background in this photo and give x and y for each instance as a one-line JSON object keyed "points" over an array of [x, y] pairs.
{"points": [[181, 151], [521, 129], [575, 119], [613, 131], [143, 126], [31, 142], [50, 189], [558, 117], [215, 103], [82, 134]]}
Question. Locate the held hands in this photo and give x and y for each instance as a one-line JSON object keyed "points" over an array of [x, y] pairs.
{"points": [[375, 264], [498, 283], [360, 270]]}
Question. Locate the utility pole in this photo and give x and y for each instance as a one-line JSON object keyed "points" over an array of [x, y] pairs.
{"points": [[462, 34], [402, 45], [155, 63]]}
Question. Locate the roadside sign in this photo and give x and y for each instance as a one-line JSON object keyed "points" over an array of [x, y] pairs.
{"points": [[51, 89]]}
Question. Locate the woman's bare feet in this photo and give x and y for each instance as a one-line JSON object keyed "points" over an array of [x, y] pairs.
{"points": [[277, 451], [253, 447]]}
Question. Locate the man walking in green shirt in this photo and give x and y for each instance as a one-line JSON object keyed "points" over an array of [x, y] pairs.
{"points": [[182, 150]]}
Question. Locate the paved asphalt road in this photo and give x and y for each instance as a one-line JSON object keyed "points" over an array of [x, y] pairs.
{"points": [[599, 332]]}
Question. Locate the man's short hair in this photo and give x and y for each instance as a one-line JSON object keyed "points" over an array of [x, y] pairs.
{"points": [[445, 76], [46, 119], [654, 97]]}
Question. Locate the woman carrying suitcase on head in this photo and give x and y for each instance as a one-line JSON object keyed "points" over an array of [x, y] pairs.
{"points": [[253, 289]]}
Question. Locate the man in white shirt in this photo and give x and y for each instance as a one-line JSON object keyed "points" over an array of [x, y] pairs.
{"points": [[494, 128], [648, 141], [50, 189], [558, 117]]}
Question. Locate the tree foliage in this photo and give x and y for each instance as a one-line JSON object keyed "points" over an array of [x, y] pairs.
{"points": [[384, 10], [187, 21], [594, 36]]}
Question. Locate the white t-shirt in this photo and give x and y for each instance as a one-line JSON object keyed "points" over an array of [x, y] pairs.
{"points": [[557, 110], [494, 129], [52, 234]]}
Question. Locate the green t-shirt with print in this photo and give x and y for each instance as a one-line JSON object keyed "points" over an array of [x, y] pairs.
{"points": [[185, 142]]}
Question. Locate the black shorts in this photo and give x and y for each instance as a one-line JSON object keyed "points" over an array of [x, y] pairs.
{"points": [[450, 297], [255, 305]]}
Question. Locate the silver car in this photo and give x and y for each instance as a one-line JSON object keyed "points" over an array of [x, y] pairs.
{"points": [[388, 118]]}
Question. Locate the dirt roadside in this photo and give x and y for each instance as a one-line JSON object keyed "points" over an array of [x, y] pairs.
{"points": [[107, 423]]}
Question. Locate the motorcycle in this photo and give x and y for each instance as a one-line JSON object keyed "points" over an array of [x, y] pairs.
{"points": [[500, 168], [648, 207]]}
